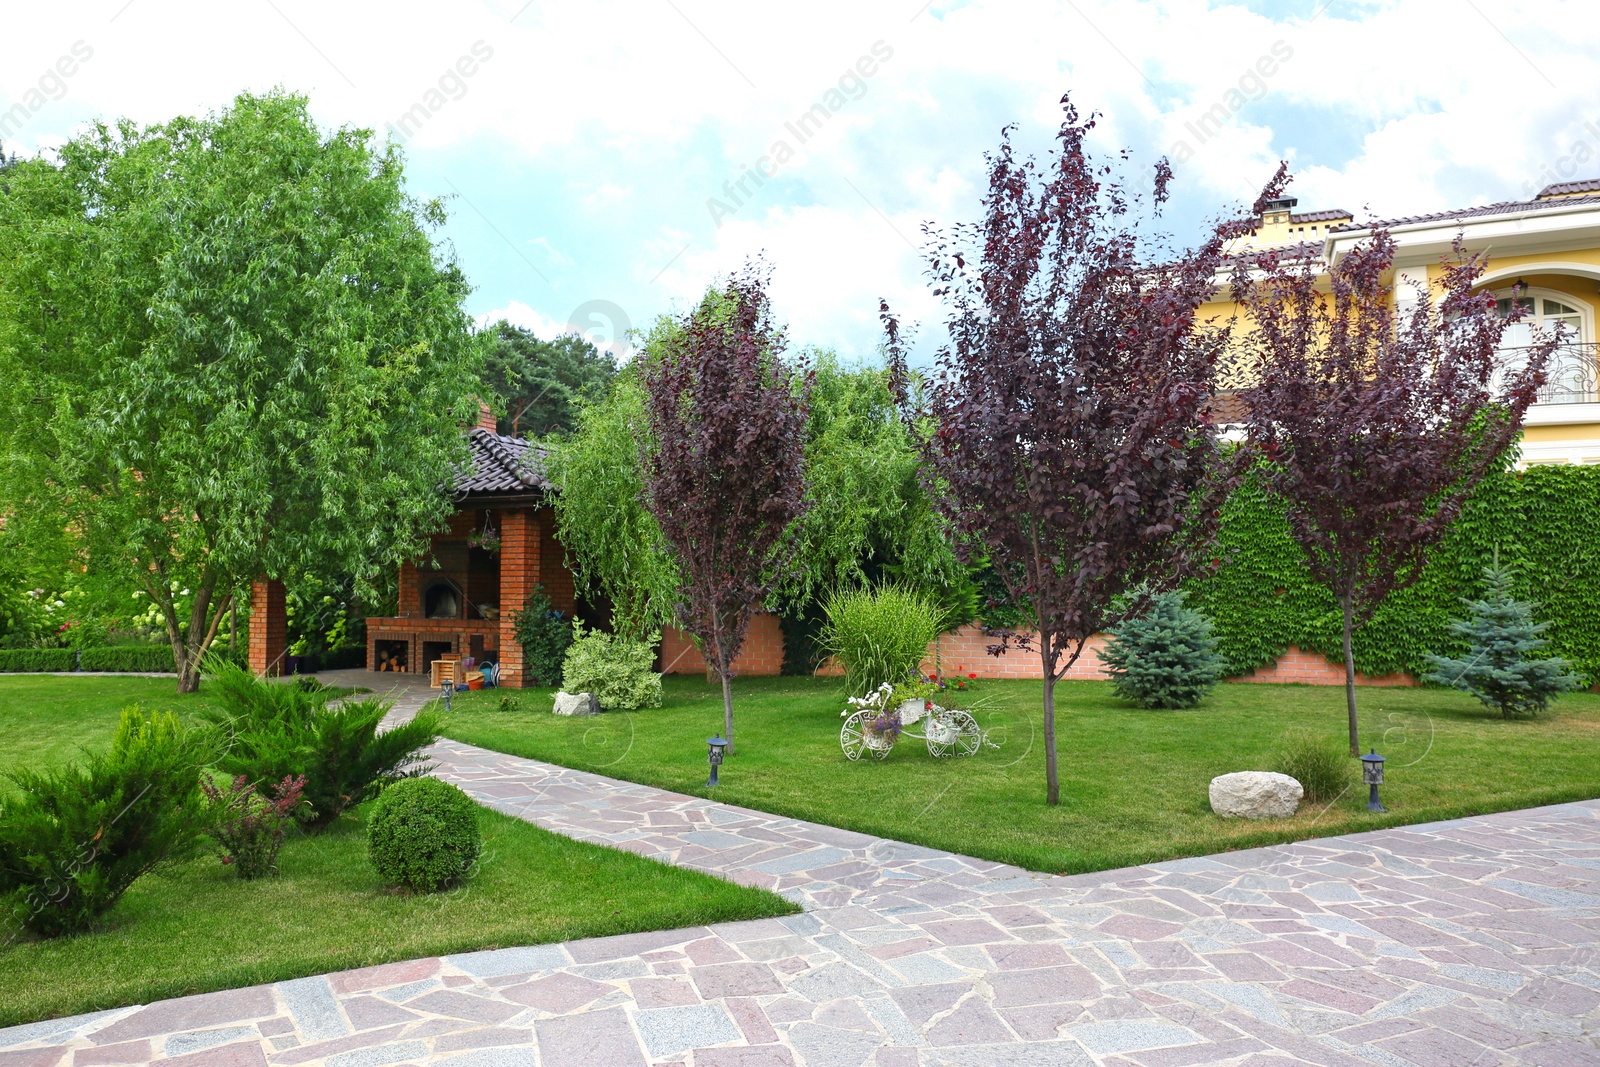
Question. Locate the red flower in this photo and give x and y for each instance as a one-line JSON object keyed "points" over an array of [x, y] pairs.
{"points": [[972, 675]]}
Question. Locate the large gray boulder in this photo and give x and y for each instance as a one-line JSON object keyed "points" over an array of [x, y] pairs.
{"points": [[1255, 795], [577, 704]]}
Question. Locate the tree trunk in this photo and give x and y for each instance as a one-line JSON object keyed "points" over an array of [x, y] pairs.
{"points": [[1052, 779], [189, 672], [1350, 675]]}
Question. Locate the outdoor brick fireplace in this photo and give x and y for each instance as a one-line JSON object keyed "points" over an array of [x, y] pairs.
{"points": [[461, 596]]}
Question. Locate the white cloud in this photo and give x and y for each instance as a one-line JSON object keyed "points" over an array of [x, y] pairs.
{"points": [[596, 132]]}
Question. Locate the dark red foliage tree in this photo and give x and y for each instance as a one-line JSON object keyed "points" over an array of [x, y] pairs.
{"points": [[1377, 418], [1073, 446], [725, 473]]}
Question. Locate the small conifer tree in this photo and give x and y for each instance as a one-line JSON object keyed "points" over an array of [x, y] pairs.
{"points": [[1502, 666], [1166, 658]]}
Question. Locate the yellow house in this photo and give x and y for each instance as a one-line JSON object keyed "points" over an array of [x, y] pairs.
{"points": [[1547, 249]]}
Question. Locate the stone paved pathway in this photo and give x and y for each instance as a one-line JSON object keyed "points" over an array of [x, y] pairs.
{"points": [[1462, 944]]}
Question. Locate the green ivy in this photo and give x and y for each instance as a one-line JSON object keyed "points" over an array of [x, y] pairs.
{"points": [[1262, 599]]}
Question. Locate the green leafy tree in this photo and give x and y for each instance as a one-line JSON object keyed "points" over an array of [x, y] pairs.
{"points": [[1503, 667], [228, 348], [1165, 658], [613, 543], [868, 514], [541, 383]]}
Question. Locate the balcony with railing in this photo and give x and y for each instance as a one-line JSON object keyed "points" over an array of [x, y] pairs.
{"points": [[1571, 375]]}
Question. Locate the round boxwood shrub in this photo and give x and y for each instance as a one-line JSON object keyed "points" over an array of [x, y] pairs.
{"points": [[423, 834]]}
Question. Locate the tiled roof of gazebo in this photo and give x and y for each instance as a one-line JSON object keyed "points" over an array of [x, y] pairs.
{"points": [[502, 465]]}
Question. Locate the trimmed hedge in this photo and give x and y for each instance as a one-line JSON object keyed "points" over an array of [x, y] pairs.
{"points": [[38, 659], [126, 658], [115, 658], [1262, 599]]}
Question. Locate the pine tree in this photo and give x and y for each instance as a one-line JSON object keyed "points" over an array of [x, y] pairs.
{"points": [[1502, 667], [1166, 658]]}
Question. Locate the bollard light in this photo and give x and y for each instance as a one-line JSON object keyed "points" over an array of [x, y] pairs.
{"points": [[714, 756], [1372, 774], [446, 688]]}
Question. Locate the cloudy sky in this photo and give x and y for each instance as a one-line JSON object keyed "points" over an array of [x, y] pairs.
{"points": [[593, 152]]}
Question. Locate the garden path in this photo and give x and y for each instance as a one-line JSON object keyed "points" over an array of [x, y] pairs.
{"points": [[1471, 942]]}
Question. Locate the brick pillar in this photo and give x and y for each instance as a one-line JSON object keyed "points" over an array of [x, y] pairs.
{"points": [[269, 627], [519, 571]]}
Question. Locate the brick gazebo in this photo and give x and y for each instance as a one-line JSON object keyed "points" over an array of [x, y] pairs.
{"points": [[460, 597]]}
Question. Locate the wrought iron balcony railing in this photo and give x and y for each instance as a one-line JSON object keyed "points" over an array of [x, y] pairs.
{"points": [[1570, 376]]}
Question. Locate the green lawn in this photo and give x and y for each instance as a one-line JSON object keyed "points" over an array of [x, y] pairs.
{"points": [[45, 719], [1133, 782], [198, 927]]}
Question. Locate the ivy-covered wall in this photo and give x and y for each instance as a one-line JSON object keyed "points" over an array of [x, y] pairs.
{"points": [[1545, 520]]}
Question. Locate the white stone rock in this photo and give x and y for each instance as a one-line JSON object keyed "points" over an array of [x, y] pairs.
{"points": [[1255, 795], [576, 704]]}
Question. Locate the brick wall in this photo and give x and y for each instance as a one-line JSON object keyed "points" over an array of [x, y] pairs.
{"points": [[965, 652], [269, 627], [415, 632], [761, 655], [557, 579]]}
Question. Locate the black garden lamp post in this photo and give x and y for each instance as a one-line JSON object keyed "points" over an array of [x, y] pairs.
{"points": [[1372, 774], [714, 756], [446, 688]]}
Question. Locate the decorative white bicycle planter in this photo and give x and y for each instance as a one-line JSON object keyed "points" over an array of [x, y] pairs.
{"points": [[949, 731]]}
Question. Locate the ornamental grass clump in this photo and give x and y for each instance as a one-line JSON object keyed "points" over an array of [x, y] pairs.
{"points": [[72, 841], [1320, 764], [620, 673], [1165, 658], [423, 834], [878, 635]]}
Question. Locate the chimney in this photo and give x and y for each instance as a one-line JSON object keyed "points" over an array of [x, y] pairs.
{"points": [[486, 419]]}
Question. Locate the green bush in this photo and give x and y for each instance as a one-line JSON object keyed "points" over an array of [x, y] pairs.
{"points": [[423, 834], [279, 730], [38, 659], [1319, 762], [1504, 666], [545, 634], [878, 635], [126, 658], [620, 673], [72, 841], [1165, 658]]}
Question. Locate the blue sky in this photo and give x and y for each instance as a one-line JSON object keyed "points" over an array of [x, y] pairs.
{"points": [[592, 151]]}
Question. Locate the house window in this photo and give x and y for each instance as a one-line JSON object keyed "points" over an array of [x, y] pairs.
{"points": [[1570, 375]]}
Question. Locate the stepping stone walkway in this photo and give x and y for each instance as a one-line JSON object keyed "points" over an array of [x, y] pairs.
{"points": [[1472, 942]]}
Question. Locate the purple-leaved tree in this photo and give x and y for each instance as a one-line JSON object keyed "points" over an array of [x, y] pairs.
{"points": [[1377, 412], [725, 472], [1072, 443]]}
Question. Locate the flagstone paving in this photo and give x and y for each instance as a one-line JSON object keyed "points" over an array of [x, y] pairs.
{"points": [[1473, 942]]}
